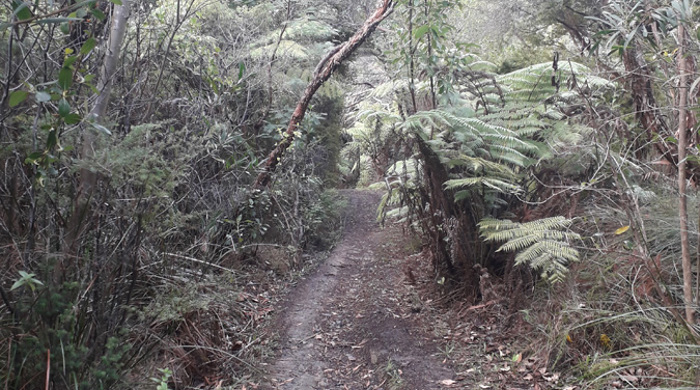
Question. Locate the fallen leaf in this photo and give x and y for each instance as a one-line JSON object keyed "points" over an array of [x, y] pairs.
{"points": [[447, 382], [629, 378], [622, 230]]}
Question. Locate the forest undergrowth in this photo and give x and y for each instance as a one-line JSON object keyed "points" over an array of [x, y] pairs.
{"points": [[169, 167]]}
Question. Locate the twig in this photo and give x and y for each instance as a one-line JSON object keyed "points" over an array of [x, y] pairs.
{"points": [[9, 362], [192, 259], [50, 14], [48, 368]]}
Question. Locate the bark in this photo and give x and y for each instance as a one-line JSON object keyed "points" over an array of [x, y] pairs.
{"points": [[411, 68], [433, 96], [88, 179], [323, 72], [452, 230], [639, 81], [682, 145], [109, 66]]}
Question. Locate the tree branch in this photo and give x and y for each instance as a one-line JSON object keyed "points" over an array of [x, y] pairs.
{"points": [[323, 72]]}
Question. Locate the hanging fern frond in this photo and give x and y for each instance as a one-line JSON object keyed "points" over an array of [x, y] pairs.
{"points": [[543, 244]]}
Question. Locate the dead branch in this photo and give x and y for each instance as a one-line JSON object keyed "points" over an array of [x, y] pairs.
{"points": [[324, 70]]}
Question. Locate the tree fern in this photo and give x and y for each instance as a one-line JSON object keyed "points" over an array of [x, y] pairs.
{"points": [[543, 244], [535, 109]]}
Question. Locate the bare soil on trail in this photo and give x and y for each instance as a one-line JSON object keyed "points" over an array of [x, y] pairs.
{"points": [[354, 323]]}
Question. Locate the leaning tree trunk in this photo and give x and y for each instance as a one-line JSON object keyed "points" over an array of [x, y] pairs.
{"points": [[323, 72]]}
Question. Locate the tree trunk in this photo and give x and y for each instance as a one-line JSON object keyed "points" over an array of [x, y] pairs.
{"points": [[645, 106], [682, 179], [323, 72], [88, 179]]}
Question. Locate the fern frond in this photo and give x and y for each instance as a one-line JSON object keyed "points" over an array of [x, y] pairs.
{"points": [[287, 48], [542, 244], [495, 184]]}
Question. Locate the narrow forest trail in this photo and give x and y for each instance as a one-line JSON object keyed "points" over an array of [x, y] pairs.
{"points": [[350, 324]]}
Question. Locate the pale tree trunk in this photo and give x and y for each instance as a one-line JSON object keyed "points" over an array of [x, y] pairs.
{"points": [[111, 60], [323, 72], [682, 179], [88, 178]]}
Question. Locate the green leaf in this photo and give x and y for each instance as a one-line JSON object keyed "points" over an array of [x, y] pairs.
{"points": [[17, 284], [32, 158], [35, 155], [117, 2], [51, 140], [18, 97], [69, 61], [420, 31], [21, 10], [88, 46], [241, 70], [42, 97], [63, 108], [98, 14], [65, 78], [72, 119]]}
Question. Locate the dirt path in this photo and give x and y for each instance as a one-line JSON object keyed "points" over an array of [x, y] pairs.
{"points": [[350, 324]]}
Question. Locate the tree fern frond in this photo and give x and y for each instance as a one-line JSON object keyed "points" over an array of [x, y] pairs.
{"points": [[287, 48], [542, 244], [478, 164], [495, 184], [515, 159], [389, 89]]}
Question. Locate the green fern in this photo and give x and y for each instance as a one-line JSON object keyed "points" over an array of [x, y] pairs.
{"points": [[543, 244], [534, 109]]}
